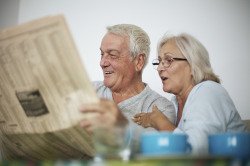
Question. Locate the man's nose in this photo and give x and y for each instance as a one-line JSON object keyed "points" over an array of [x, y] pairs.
{"points": [[104, 61]]}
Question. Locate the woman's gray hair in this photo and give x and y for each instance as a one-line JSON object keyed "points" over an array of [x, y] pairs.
{"points": [[196, 55], [139, 42]]}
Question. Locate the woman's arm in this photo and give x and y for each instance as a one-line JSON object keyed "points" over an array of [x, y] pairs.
{"points": [[155, 119]]}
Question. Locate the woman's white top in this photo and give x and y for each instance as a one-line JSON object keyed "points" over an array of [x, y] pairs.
{"points": [[208, 110]]}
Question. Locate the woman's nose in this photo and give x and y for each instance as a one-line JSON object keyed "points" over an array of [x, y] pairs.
{"points": [[160, 67]]}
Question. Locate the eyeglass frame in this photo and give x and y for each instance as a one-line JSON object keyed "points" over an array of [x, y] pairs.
{"points": [[156, 64]]}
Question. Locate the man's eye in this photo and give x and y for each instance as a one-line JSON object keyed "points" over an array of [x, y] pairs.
{"points": [[112, 56], [102, 55]]}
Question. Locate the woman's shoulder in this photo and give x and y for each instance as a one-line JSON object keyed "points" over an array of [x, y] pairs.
{"points": [[209, 91], [209, 86]]}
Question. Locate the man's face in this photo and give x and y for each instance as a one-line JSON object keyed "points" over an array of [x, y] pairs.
{"points": [[116, 62]]}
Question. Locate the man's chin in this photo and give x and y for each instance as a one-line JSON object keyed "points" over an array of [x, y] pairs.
{"points": [[107, 84]]}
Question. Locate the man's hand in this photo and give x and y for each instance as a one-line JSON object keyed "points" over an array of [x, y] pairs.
{"points": [[103, 114]]}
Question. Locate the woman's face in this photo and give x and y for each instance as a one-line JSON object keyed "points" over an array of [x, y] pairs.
{"points": [[177, 77]]}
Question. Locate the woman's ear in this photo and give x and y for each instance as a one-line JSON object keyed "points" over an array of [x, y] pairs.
{"points": [[140, 61]]}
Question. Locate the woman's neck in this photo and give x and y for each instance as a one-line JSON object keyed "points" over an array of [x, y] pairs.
{"points": [[181, 99]]}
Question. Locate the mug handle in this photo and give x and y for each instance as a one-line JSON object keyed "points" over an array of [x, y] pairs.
{"points": [[188, 148]]}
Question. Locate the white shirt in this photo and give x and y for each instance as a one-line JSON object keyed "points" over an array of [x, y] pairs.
{"points": [[208, 110], [142, 102]]}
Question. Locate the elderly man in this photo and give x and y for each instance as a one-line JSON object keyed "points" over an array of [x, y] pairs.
{"points": [[124, 54]]}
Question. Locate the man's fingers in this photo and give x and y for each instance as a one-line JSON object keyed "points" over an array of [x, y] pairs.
{"points": [[102, 106], [95, 107], [87, 125]]}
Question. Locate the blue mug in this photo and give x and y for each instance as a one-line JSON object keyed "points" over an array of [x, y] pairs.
{"points": [[236, 145], [163, 143]]}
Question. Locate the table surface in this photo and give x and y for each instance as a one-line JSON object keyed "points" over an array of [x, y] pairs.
{"points": [[136, 161]]}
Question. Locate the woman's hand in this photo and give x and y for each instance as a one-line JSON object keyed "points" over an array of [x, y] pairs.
{"points": [[143, 119], [155, 119]]}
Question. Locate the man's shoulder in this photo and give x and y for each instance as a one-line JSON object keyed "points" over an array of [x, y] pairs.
{"points": [[163, 104], [101, 89], [98, 84], [155, 95]]}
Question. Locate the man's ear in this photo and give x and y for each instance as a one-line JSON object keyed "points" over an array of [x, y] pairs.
{"points": [[140, 61]]}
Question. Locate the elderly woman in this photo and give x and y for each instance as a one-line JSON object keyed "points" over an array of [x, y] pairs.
{"points": [[203, 106]]}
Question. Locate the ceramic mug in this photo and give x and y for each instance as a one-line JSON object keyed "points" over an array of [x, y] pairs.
{"points": [[235, 145], [164, 143]]}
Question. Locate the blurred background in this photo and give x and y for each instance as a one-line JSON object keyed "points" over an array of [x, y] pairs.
{"points": [[223, 26]]}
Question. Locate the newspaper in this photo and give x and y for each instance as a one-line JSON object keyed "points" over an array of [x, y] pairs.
{"points": [[42, 85]]}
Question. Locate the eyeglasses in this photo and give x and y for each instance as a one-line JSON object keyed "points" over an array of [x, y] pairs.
{"points": [[166, 61]]}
